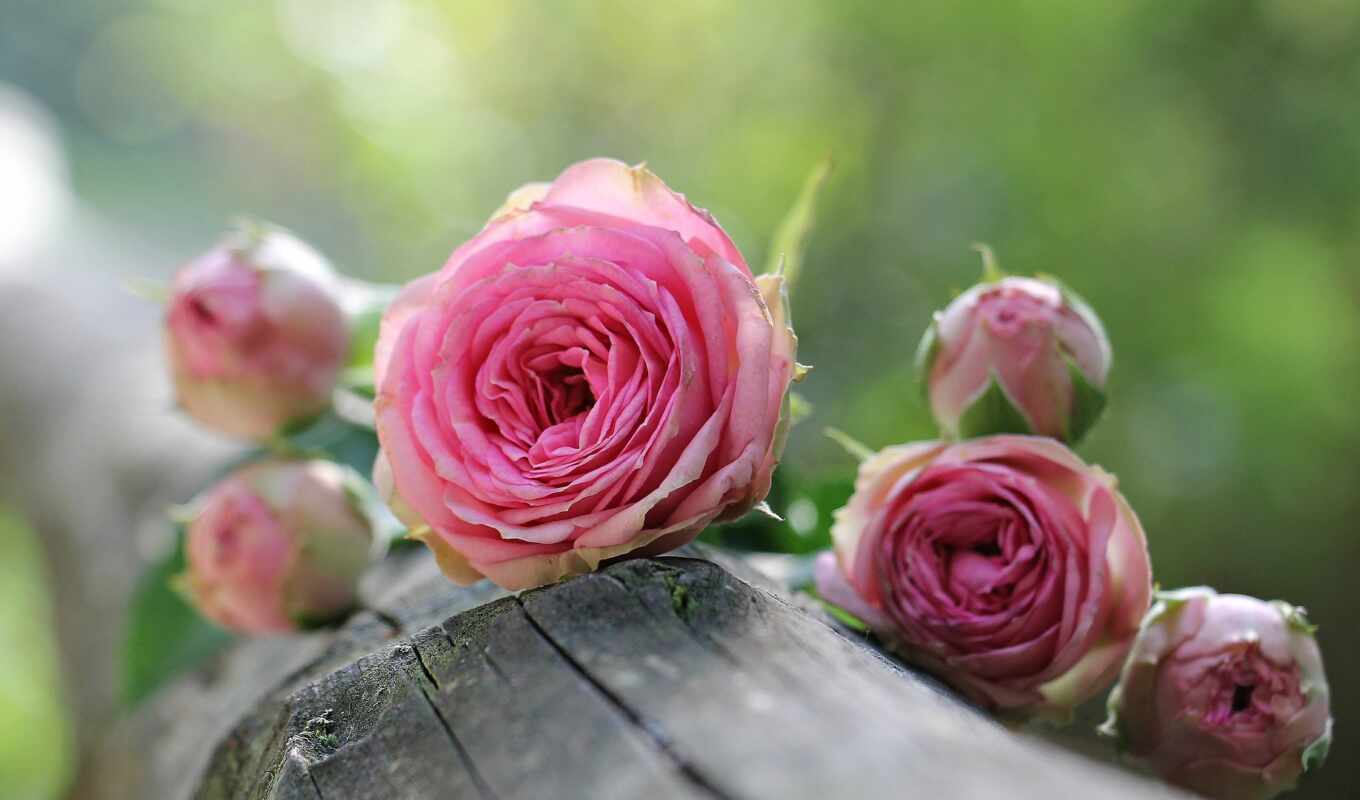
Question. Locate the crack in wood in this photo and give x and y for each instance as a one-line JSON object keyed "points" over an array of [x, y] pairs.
{"points": [[662, 678], [699, 636], [276, 732], [316, 788], [494, 666], [651, 728], [420, 659], [766, 604], [478, 780], [394, 625]]}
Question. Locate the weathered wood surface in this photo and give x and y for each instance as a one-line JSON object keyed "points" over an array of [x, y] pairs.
{"points": [[659, 678]]}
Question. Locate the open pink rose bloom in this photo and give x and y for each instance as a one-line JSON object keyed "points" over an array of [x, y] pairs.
{"points": [[276, 546], [1006, 566], [254, 334], [1224, 695], [1016, 355], [596, 373]]}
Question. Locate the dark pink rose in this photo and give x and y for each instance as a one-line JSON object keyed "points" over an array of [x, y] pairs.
{"points": [[276, 546], [1005, 565], [254, 334], [1016, 355], [1224, 695], [595, 373]]}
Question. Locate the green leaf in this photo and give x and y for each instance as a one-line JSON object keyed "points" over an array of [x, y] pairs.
{"points": [[157, 292], [359, 380], [844, 617], [165, 636], [791, 497], [790, 238], [1296, 617], [1088, 403], [365, 304], [1316, 753], [1175, 598], [1112, 728], [334, 438], [991, 270], [993, 412], [853, 446], [799, 408], [364, 337], [1166, 603], [763, 508], [248, 233]]}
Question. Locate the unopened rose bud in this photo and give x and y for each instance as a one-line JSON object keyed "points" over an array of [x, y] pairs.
{"points": [[1224, 695], [254, 334], [1015, 355], [276, 547]]}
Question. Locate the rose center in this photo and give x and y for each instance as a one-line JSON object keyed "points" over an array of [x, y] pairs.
{"points": [[201, 312], [571, 394], [1010, 316], [977, 575], [228, 543], [1248, 692]]}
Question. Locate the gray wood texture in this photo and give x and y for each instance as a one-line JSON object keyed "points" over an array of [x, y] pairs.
{"points": [[673, 677]]}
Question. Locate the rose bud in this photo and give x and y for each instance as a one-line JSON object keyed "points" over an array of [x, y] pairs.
{"points": [[1224, 695], [277, 546], [1004, 565], [255, 334], [1015, 355], [596, 373]]}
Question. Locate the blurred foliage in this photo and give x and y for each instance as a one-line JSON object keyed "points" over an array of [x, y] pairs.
{"points": [[33, 758], [335, 439], [1189, 167], [803, 524], [165, 636]]}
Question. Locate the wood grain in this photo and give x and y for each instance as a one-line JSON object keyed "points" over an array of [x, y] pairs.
{"points": [[673, 677]]}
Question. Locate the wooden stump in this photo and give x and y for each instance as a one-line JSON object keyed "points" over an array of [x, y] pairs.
{"points": [[657, 678]]}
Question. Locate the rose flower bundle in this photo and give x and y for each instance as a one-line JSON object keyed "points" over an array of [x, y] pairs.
{"points": [[1018, 574], [598, 373]]}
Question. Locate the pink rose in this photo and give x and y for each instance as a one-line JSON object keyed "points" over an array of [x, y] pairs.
{"points": [[1004, 565], [276, 546], [595, 373], [254, 333], [1224, 695], [1016, 355]]}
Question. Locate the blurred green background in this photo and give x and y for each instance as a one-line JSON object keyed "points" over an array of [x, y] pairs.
{"points": [[1193, 168]]}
